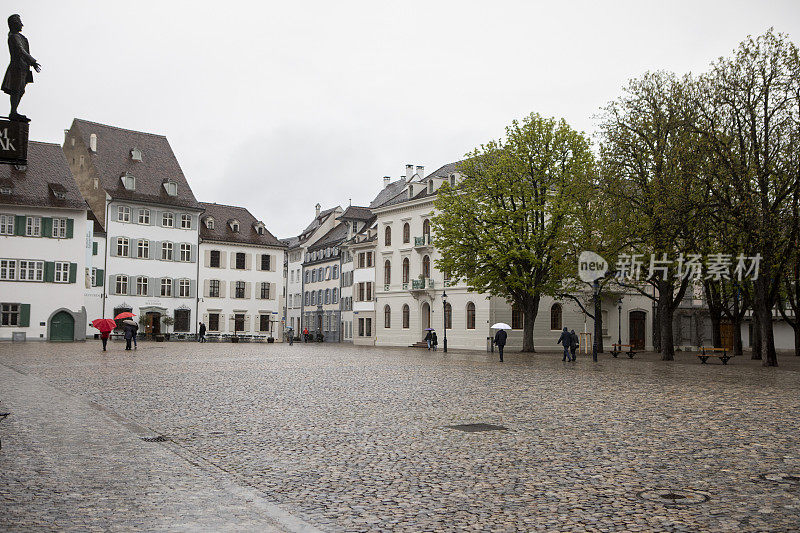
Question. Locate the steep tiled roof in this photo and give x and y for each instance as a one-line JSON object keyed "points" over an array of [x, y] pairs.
{"points": [[222, 231], [317, 222], [355, 212], [388, 192], [113, 159], [47, 172], [333, 237], [400, 194], [98, 228]]}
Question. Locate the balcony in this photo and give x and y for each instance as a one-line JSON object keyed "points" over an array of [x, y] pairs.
{"points": [[422, 242], [422, 284]]}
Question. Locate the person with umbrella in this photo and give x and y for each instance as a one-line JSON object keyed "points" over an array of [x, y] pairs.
{"points": [[434, 340], [105, 325], [429, 338], [500, 337], [290, 334], [135, 329]]}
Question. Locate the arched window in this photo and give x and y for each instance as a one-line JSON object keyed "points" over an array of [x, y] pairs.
{"points": [[555, 317], [387, 272], [387, 317], [426, 231], [405, 270], [426, 267], [470, 315], [406, 316], [517, 318], [448, 316], [387, 236], [406, 233]]}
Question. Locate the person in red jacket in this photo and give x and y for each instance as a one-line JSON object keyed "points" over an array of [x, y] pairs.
{"points": [[104, 335]]}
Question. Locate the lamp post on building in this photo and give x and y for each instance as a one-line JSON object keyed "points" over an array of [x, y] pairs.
{"points": [[595, 294], [444, 318], [619, 322]]}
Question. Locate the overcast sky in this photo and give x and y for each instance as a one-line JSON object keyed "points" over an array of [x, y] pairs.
{"points": [[276, 106]]}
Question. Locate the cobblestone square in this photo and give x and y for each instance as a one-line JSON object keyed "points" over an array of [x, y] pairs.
{"points": [[343, 438]]}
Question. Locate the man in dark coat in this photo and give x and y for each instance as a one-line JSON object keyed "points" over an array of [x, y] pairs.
{"points": [[128, 330], [135, 328], [18, 73], [434, 340], [573, 343], [429, 340], [565, 340], [202, 332], [500, 341]]}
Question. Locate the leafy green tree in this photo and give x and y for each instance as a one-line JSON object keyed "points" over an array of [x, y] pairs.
{"points": [[504, 228]]}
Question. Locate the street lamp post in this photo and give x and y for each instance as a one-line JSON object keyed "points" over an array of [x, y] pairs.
{"points": [[619, 323], [596, 292], [444, 318]]}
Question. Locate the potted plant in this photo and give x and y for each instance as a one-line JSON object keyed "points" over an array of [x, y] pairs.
{"points": [[168, 321]]}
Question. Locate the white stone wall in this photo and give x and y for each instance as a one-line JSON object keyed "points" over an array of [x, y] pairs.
{"points": [[93, 292]]}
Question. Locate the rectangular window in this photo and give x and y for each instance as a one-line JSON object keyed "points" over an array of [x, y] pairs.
{"points": [[6, 224], [369, 291], [9, 314], [369, 259], [240, 261], [264, 323], [238, 322], [8, 269], [167, 220], [186, 252], [516, 318], [59, 228], [183, 288], [33, 226], [141, 286], [181, 320], [239, 289], [122, 246], [143, 249], [94, 277], [265, 261], [31, 270], [361, 260], [186, 221], [368, 327], [123, 213], [61, 272], [166, 251], [265, 290], [213, 288], [166, 287], [121, 285], [144, 216], [213, 259], [213, 321], [360, 327]]}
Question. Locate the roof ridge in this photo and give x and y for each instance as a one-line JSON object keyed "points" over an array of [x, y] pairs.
{"points": [[225, 205], [118, 128]]}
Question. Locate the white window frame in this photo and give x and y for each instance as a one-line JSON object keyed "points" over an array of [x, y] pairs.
{"points": [[33, 226], [166, 287], [12, 310], [141, 285], [143, 249], [61, 272], [166, 250], [186, 252], [168, 217], [30, 270], [120, 283], [123, 246], [8, 269], [59, 228], [94, 276], [129, 182], [171, 187], [186, 221], [144, 216], [123, 213], [183, 288], [7, 224]]}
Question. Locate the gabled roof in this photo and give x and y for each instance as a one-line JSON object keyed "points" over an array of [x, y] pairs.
{"points": [[318, 220], [113, 159], [388, 192], [355, 212], [336, 235], [47, 172], [401, 195], [97, 227], [222, 231]]}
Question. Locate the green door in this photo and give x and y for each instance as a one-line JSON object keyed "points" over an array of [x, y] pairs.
{"points": [[62, 327]]}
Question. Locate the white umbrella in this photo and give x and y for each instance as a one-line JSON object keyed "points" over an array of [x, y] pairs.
{"points": [[501, 325]]}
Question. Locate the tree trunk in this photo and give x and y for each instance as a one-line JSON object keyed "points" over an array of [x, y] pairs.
{"points": [[737, 336], [598, 322], [797, 339], [656, 329], [755, 342], [764, 309], [665, 313], [716, 334], [714, 311], [530, 308]]}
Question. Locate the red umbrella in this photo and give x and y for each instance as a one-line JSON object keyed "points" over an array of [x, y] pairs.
{"points": [[104, 324], [124, 315]]}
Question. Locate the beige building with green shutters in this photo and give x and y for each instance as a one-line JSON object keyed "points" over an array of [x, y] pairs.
{"points": [[43, 249], [240, 274]]}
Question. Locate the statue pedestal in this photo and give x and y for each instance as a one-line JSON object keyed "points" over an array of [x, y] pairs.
{"points": [[13, 142]]}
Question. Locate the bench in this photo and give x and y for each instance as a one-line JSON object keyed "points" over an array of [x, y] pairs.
{"points": [[705, 353], [617, 349]]}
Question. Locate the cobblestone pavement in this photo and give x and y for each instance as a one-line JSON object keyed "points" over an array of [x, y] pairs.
{"points": [[355, 439]]}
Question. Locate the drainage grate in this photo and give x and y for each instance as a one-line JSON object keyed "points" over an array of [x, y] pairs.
{"points": [[473, 428], [673, 496], [157, 438], [782, 477]]}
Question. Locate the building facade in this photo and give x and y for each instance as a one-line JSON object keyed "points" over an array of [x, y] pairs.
{"points": [[43, 249], [241, 273], [321, 283]]}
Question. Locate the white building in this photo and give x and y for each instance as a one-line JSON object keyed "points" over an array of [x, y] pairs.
{"points": [[241, 273], [43, 249], [321, 281], [359, 319], [95, 287], [136, 189]]}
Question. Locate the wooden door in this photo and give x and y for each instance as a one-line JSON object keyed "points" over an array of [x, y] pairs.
{"points": [[726, 335], [637, 329]]}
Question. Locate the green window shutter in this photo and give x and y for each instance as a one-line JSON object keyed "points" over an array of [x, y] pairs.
{"points": [[24, 315], [47, 227], [94, 248], [70, 227], [73, 272], [19, 225], [49, 271], [99, 277]]}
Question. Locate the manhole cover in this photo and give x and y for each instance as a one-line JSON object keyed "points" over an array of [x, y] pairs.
{"points": [[157, 438], [473, 428], [673, 496], [782, 477]]}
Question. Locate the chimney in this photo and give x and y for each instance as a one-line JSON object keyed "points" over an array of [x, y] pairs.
{"points": [[420, 171], [409, 172], [386, 181], [93, 142], [317, 208]]}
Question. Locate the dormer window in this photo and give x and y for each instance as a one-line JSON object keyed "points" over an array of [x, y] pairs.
{"points": [[234, 224], [430, 186], [210, 223], [452, 180], [5, 189], [129, 182], [171, 187], [136, 154], [259, 227]]}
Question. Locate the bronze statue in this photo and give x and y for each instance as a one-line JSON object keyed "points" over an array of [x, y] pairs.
{"points": [[18, 73]]}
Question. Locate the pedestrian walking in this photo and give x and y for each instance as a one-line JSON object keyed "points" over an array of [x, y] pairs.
{"points": [[135, 328], [104, 335], [500, 341], [573, 343], [202, 333], [565, 340], [128, 331], [428, 339], [290, 334], [305, 334], [434, 340]]}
